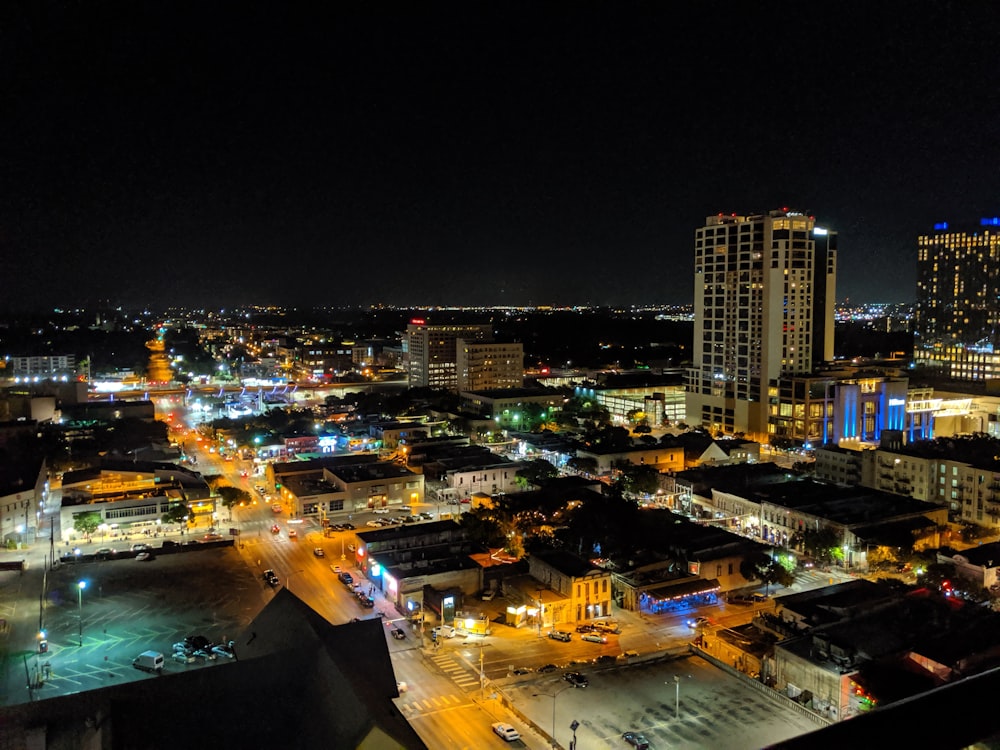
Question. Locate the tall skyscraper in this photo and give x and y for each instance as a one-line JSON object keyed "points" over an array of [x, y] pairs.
{"points": [[765, 288], [432, 351], [957, 318]]}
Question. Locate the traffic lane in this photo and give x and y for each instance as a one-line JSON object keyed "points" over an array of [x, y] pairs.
{"points": [[469, 727], [532, 653]]}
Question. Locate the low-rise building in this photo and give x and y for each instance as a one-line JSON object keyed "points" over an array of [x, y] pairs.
{"points": [[583, 589]]}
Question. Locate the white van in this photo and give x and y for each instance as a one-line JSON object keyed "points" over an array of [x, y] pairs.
{"points": [[149, 661]]}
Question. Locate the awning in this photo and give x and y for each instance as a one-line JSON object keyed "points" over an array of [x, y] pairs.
{"points": [[679, 588]]}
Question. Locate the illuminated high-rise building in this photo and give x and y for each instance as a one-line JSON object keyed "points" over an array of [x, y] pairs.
{"points": [[431, 350], [958, 300], [763, 302]]}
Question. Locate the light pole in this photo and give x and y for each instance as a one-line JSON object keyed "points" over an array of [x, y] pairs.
{"points": [[80, 586], [553, 696], [677, 696]]}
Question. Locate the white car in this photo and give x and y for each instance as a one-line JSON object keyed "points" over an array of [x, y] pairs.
{"points": [[380, 511], [443, 631], [506, 731], [401, 687], [373, 524]]}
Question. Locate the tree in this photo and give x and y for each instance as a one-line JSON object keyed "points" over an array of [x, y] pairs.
{"points": [[824, 545], [483, 527], [759, 566], [584, 465], [639, 479], [86, 523], [176, 513], [535, 473], [233, 496]]}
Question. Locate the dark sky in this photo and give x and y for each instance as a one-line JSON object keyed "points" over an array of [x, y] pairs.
{"points": [[215, 154]]}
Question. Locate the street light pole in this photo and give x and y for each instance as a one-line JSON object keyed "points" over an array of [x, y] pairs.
{"points": [[677, 697], [553, 696], [80, 586]]}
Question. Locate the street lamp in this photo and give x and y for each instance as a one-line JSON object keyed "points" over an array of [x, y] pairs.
{"points": [[553, 696], [677, 696], [80, 586]]}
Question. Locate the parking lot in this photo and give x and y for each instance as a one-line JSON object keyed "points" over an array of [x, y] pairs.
{"points": [[716, 710], [127, 606]]}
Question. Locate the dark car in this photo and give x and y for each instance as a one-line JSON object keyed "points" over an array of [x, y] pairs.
{"points": [[546, 668], [576, 679], [398, 633], [346, 578], [270, 577], [636, 740], [348, 526], [198, 643], [585, 628], [169, 543], [366, 601], [524, 670]]}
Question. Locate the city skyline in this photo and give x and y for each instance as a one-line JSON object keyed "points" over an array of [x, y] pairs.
{"points": [[520, 155]]}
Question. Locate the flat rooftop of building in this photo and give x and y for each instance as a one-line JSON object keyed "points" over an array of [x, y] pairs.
{"points": [[408, 531]]}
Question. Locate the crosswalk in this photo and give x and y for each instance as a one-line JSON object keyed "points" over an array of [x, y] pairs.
{"points": [[458, 674], [429, 705]]}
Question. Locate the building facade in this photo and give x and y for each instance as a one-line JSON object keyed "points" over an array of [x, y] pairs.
{"points": [[957, 316], [764, 293], [488, 365], [432, 351]]}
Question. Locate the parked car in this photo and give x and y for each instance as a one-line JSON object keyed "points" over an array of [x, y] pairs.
{"points": [[169, 543], [198, 642], [140, 547], [270, 577], [594, 638], [546, 668], [225, 650], [560, 635], [636, 740], [488, 595], [607, 627], [182, 657], [105, 552], [427, 516], [524, 670], [410, 519], [505, 731], [348, 526], [374, 524], [585, 628], [366, 601], [346, 578], [576, 679]]}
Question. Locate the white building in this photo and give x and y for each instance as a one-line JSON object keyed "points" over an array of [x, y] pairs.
{"points": [[764, 296]]}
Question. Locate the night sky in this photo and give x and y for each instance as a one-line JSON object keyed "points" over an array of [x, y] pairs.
{"points": [[214, 154]]}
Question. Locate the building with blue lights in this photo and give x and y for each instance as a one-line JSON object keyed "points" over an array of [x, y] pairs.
{"points": [[957, 316]]}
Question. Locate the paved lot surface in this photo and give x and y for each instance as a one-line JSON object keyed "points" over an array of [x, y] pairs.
{"points": [[717, 711], [127, 607]]}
